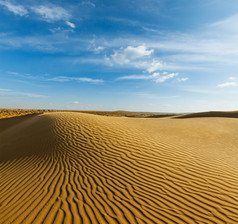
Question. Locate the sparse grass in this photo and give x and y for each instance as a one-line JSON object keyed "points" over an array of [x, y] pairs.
{"points": [[7, 113]]}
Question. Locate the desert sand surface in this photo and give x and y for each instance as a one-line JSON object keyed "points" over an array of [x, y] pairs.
{"points": [[67, 167]]}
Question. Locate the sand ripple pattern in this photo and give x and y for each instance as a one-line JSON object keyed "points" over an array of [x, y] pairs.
{"points": [[80, 168]]}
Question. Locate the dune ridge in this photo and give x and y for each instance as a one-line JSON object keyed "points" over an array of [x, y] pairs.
{"points": [[228, 114], [78, 168]]}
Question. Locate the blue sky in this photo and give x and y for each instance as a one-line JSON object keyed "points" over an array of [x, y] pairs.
{"points": [[150, 55]]}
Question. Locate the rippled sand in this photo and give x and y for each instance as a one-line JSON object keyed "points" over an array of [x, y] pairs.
{"points": [[78, 168]]}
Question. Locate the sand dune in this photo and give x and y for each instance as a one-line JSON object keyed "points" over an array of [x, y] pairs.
{"points": [[230, 114], [81, 168]]}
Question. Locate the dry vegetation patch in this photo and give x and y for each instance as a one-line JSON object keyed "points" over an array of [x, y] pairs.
{"points": [[7, 113]]}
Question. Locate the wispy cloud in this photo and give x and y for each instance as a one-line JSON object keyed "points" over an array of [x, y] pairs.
{"points": [[155, 65], [130, 53], [227, 84], [14, 8], [55, 42], [10, 92], [182, 79], [156, 77], [78, 79], [88, 3], [135, 77], [98, 49], [228, 24], [72, 25], [5, 90], [45, 77], [51, 13], [215, 44], [233, 81], [165, 77]]}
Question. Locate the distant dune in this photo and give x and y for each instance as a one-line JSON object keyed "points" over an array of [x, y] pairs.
{"points": [[231, 114], [68, 167], [8, 113]]}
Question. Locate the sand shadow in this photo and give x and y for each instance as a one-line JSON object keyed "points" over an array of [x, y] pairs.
{"points": [[26, 136]]}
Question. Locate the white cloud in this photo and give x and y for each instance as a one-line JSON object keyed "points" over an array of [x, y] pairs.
{"points": [[154, 66], [89, 80], [60, 79], [128, 54], [72, 25], [165, 77], [156, 77], [137, 52], [134, 77], [76, 102], [78, 79], [51, 13], [182, 79], [98, 49], [16, 9], [227, 84], [88, 3], [119, 58]]}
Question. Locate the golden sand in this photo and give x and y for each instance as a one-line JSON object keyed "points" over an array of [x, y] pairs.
{"points": [[67, 167]]}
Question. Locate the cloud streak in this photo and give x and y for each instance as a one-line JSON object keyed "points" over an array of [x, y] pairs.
{"points": [[16, 9], [227, 84], [182, 79], [51, 13], [88, 3], [10, 92], [5, 90], [156, 77], [72, 25], [166, 77], [78, 79]]}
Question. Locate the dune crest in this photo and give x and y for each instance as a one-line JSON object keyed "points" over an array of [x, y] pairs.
{"points": [[67, 167], [228, 114]]}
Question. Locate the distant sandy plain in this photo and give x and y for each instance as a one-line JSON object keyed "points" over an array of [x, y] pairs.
{"points": [[69, 167]]}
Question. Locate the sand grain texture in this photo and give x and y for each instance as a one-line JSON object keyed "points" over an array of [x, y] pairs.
{"points": [[80, 168]]}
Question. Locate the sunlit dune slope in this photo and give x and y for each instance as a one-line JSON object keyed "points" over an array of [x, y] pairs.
{"points": [[81, 168]]}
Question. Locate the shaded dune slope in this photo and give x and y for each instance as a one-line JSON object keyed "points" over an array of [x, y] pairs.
{"points": [[80, 168]]}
